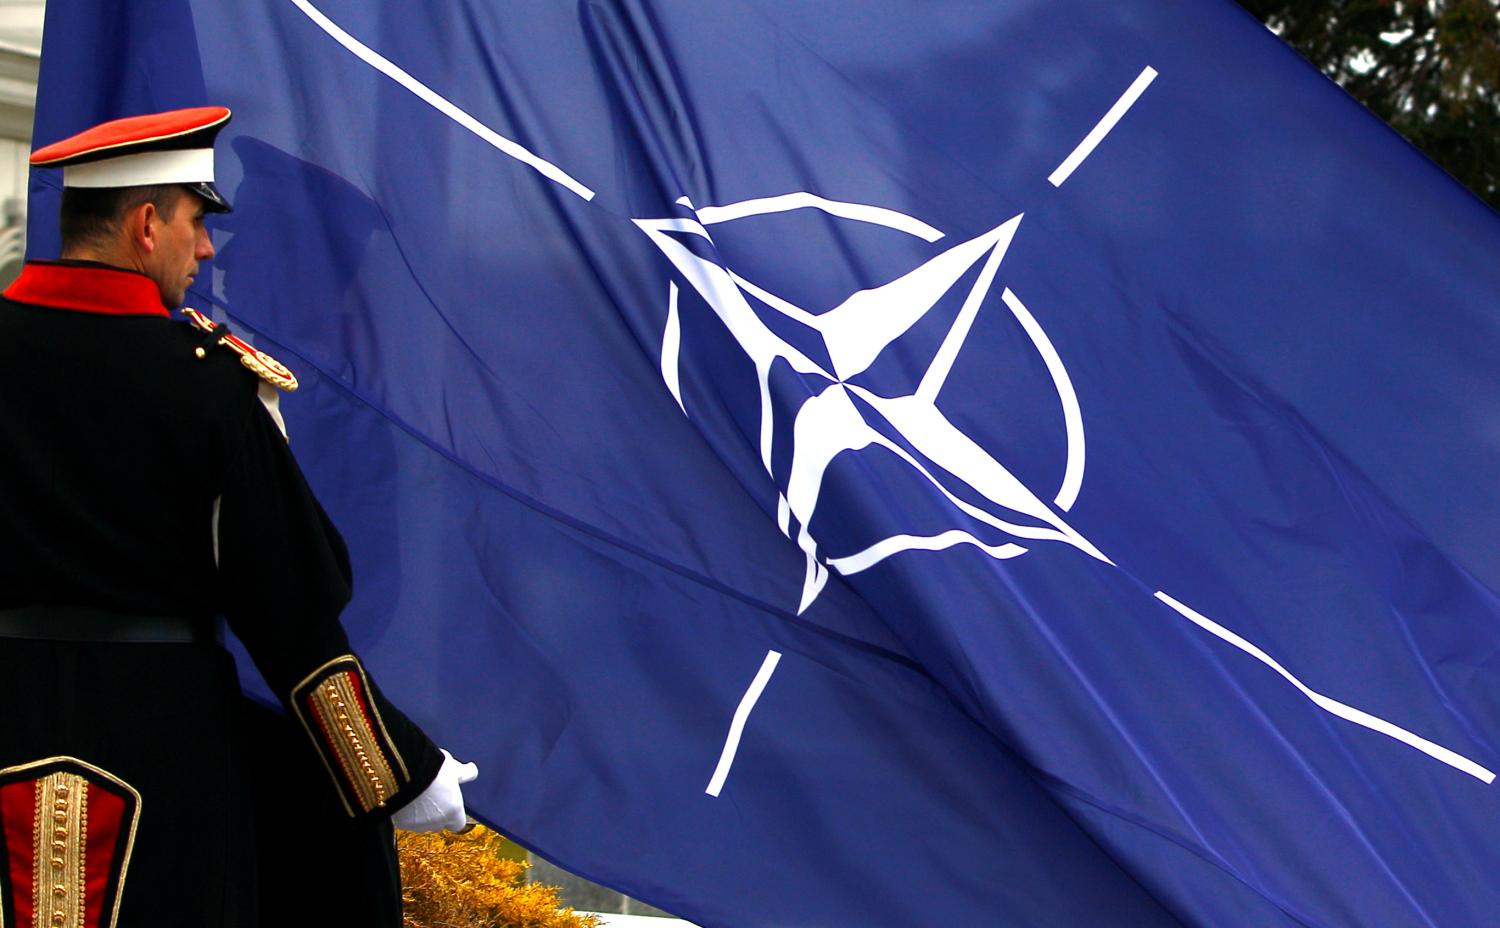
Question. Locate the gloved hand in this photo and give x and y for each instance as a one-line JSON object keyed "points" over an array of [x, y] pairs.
{"points": [[441, 805]]}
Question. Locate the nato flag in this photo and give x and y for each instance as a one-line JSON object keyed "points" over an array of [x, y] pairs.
{"points": [[880, 463]]}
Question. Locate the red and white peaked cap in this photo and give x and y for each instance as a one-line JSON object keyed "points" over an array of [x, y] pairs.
{"points": [[175, 147]]}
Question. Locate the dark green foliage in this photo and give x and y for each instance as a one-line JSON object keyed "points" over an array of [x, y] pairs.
{"points": [[1430, 68]]}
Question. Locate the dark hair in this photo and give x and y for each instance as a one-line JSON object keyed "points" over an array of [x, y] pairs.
{"points": [[93, 215]]}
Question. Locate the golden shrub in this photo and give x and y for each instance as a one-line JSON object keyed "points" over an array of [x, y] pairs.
{"points": [[463, 881]]}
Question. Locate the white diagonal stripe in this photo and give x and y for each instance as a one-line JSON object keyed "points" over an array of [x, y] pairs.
{"points": [[1097, 134], [385, 66], [737, 726], [1333, 706]]}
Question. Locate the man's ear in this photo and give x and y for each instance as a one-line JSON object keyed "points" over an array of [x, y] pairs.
{"points": [[142, 225]]}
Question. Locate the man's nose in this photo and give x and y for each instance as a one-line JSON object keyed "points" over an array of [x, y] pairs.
{"points": [[205, 247]]}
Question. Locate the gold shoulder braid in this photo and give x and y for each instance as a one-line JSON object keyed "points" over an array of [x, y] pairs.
{"points": [[266, 367]]}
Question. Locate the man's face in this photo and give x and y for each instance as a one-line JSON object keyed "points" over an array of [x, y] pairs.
{"points": [[182, 242]]}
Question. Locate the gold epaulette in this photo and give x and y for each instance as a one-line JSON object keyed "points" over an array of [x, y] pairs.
{"points": [[265, 367]]}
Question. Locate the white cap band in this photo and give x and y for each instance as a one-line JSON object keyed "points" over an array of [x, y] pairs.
{"points": [[183, 166]]}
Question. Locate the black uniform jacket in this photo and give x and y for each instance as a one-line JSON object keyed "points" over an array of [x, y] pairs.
{"points": [[142, 480]]}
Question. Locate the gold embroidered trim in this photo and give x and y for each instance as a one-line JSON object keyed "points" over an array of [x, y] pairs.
{"points": [[338, 741], [135, 818], [352, 739], [61, 839]]}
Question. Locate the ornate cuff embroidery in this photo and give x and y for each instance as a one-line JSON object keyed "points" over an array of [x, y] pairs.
{"points": [[335, 707], [68, 829]]}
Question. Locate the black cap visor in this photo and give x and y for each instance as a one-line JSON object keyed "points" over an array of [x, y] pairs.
{"points": [[211, 195]]}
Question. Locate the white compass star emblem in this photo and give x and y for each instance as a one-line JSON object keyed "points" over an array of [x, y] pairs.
{"points": [[854, 333]]}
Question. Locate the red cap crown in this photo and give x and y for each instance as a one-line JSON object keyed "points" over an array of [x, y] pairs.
{"points": [[175, 129]]}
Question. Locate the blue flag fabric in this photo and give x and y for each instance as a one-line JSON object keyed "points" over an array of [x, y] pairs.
{"points": [[879, 463]]}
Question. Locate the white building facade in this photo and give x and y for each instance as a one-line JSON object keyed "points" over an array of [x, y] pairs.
{"points": [[20, 59]]}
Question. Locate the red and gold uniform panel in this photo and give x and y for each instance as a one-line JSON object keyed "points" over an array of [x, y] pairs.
{"points": [[68, 829]]}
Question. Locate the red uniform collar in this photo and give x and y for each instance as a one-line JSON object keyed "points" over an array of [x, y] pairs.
{"points": [[89, 288]]}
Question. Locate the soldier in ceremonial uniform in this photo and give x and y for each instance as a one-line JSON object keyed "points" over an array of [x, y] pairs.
{"points": [[147, 493]]}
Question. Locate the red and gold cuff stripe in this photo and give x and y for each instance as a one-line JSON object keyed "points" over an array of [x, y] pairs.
{"points": [[335, 707]]}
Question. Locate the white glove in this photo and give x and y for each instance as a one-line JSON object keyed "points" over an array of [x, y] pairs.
{"points": [[441, 805]]}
